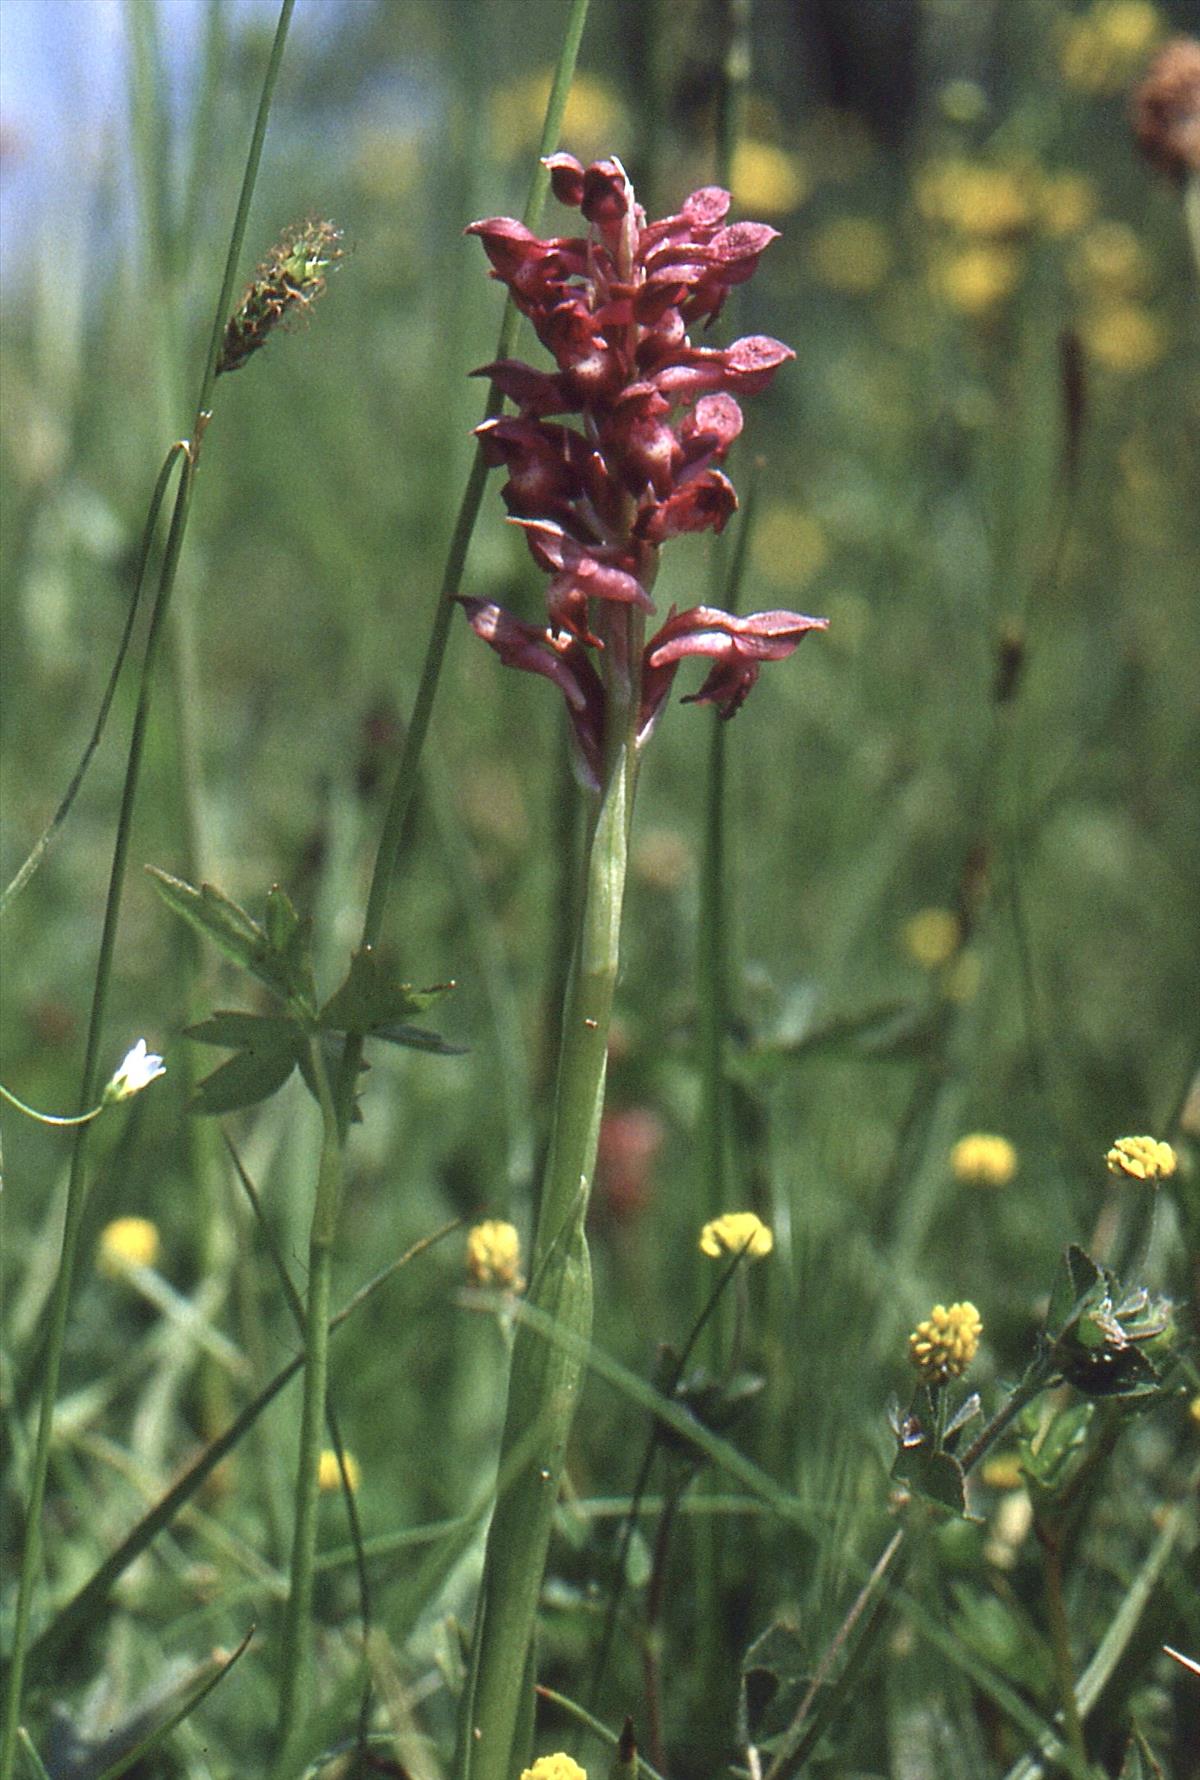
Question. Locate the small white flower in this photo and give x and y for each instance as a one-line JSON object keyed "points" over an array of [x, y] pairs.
{"points": [[138, 1069]]}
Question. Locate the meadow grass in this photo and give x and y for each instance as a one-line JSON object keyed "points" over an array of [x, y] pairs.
{"points": [[936, 881]]}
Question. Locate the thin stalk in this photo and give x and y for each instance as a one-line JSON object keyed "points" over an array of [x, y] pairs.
{"points": [[297, 1626], [1060, 1643], [652, 1634], [76, 1195], [801, 1735], [796, 1740], [22, 877], [408, 768], [73, 1620], [637, 1496]]}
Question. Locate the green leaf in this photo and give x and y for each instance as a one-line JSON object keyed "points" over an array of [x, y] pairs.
{"points": [[277, 954], [213, 1671], [776, 1675], [1078, 1277], [416, 1038], [239, 1031], [248, 1077], [214, 914], [937, 1476], [373, 997], [1059, 1448], [283, 923], [291, 941]]}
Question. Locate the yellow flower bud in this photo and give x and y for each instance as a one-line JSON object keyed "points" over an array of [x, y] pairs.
{"points": [[329, 1472], [737, 1232], [982, 1160], [1141, 1158], [554, 1767], [943, 1346], [125, 1243], [494, 1255]]}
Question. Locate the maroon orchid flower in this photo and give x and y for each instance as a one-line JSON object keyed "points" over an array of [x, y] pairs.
{"points": [[737, 648], [657, 417]]}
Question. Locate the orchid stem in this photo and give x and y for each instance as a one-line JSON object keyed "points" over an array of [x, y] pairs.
{"points": [[546, 1379]]}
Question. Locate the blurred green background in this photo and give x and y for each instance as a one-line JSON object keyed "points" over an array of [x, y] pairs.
{"points": [[964, 825]]}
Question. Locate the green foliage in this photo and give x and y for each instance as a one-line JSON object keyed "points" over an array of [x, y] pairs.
{"points": [[371, 1003], [995, 507]]}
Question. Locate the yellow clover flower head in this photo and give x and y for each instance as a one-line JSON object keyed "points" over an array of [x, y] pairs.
{"points": [[1003, 1471], [767, 179], [943, 1346], [931, 937], [983, 1160], [736, 1233], [494, 1255], [977, 278], [125, 1243], [554, 1767], [1141, 1158], [1123, 338], [329, 1472]]}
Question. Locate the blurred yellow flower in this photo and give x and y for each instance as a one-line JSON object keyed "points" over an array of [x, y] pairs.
{"points": [[1141, 1158], [1009, 1528], [1102, 50], [127, 1242], [1067, 202], [976, 279], [983, 1160], [594, 118], [1123, 338], [851, 253], [931, 937], [737, 1232], [494, 1255], [973, 198], [554, 1767], [767, 180], [1002, 1471], [943, 1346], [329, 1472], [789, 546], [1110, 260], [1194, 1410]]}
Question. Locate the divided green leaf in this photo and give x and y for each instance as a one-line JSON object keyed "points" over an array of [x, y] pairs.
{"points": [[374, 1001]]}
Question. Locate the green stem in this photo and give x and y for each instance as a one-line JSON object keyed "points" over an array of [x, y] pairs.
{"points": [[630, 1518], [297, 1626], [60, 1301], [1060, 1644], [408, 769], [18, 883], [31, 1112], [801, 1735], [545, 1380], [73, 1217]]}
